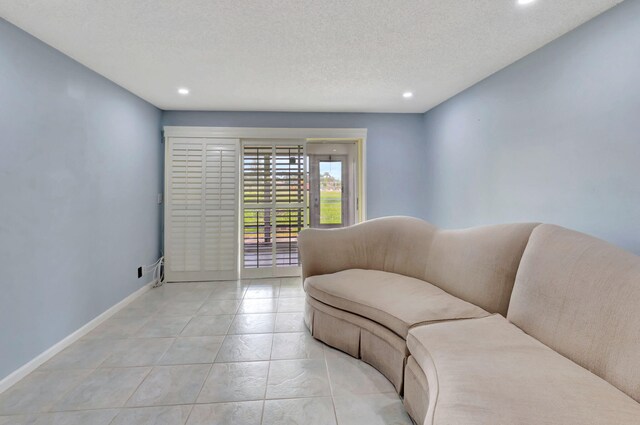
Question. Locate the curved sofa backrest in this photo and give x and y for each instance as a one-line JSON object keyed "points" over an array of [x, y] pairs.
{"points": [[477, 265], [392, 244], [581, 297]]}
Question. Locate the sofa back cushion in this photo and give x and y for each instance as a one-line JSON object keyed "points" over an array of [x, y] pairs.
{"points": [[479, 264], [581, 297], [390, 244]]}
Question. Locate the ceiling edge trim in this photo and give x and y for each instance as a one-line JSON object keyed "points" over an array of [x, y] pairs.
{"points": [[265, 133]]}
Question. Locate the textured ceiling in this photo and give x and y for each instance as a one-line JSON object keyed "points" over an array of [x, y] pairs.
{"points": [[298, 55]]}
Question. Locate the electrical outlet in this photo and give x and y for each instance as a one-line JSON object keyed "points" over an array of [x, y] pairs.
{"points": [[159, 198], [139, 272]]}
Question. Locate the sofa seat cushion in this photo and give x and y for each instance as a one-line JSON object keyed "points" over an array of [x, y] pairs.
{"points": [[487, 372], [392, 300]]}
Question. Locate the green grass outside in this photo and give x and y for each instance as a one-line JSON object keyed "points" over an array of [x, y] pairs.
{"points": [[330, 207], [330, 211]]}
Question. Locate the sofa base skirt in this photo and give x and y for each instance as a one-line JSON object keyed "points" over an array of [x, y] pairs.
{"points": [[416, 391], [359, 337]]}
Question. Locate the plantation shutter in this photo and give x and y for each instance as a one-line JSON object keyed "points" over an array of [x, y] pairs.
{"points": [[274, 207], [290, 203], [201, 209]]}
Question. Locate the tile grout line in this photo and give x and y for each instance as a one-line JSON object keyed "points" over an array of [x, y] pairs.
{"points": [[195, 400], [266, 387], [113, 420], [333, 401], [193, 406], [138, 386]]}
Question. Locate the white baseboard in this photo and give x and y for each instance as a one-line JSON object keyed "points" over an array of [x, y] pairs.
{"points": [[23, 371]]}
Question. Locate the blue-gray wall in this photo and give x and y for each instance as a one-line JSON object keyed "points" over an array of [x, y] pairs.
{"points": [[554, 138], [80, 169], [395, 149]]}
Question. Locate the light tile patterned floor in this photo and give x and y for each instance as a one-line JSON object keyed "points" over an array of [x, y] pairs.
{"points": [[228, 353]]}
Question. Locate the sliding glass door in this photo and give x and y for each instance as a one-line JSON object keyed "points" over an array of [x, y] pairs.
{"points": [[274, 207]]}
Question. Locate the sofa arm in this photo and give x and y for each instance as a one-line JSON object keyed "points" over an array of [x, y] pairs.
{"points": [[324, 251], [394, 244]]}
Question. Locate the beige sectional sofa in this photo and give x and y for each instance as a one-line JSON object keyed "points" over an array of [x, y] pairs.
{"points": [[506, 324]]}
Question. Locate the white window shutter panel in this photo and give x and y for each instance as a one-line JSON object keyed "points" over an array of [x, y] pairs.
{"points": [[201, 198]]}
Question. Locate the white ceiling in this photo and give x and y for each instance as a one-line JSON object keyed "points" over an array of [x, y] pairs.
{"points": [[298, 55]]}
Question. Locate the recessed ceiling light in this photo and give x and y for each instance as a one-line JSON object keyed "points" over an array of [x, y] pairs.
{"points": [[183, 91], [407, 95], [525, 2]]}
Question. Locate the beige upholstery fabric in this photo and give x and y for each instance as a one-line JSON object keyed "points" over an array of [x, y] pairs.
{"points": [[395, 301], [361, 338], [336, 332], [488, 372], [477, 265], [416, 394], [359, 321], [392, 244], [386, 355], [581, 297]]}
